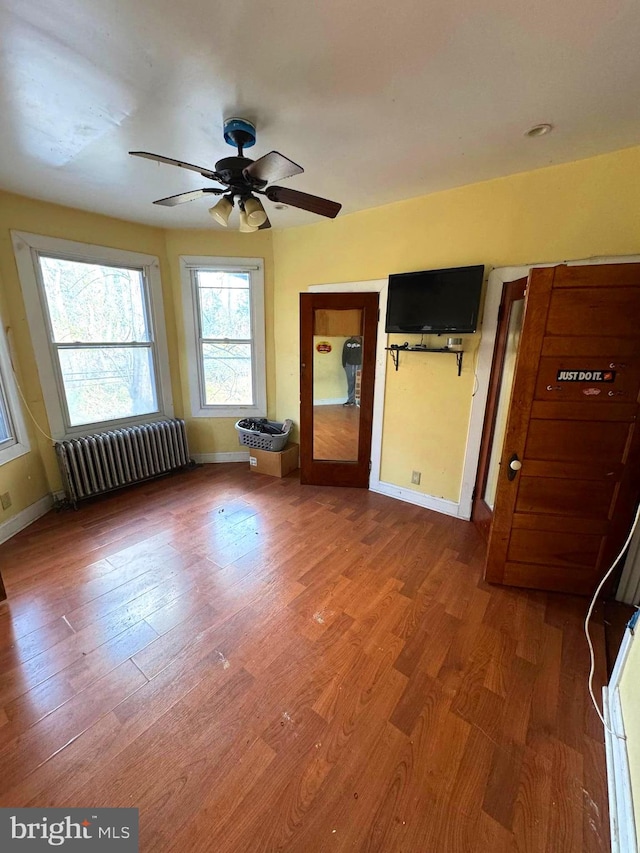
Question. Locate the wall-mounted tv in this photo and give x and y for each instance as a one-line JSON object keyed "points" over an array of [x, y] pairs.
{"points": [[435, 301]]}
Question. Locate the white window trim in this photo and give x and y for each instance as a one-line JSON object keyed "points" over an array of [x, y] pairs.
{"points": [[255, 266], [20, 444], [26, 249]]}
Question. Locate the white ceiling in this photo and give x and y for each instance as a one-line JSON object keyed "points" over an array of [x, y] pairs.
{"points": [[379, 101]]}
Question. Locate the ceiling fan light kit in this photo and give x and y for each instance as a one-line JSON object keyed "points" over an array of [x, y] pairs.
{"points": [[222, 210], [243, 179], [245, 226], [256, 213]]}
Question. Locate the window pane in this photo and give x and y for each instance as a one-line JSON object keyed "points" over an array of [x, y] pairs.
{"points": [[225, 310], [90, 303], [227, 374], [6, 433], [105, 384]]}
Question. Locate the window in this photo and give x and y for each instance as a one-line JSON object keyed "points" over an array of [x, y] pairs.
{"points": [[101, 337], [95, 317], [14, 441], [7, 436], [224, 325]]}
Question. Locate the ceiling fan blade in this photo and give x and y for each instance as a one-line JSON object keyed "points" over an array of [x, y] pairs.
{"points": [[313, 203], [158, 158], [265, 224], [173, 200], [273, 167]]}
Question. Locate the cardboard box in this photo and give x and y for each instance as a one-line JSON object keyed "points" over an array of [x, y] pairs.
{"points": [[275, 463]]}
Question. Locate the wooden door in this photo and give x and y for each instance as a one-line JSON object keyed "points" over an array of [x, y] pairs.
{"points": [[561, 517], [510, 317], [335, 425]]}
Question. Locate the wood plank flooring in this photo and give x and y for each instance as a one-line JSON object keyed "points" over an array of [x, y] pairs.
{"points": [[336, 432], [262, 666]]}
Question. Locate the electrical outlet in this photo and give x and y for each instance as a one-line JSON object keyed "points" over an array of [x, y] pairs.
{"points": [[415, 478], [5, 500]]}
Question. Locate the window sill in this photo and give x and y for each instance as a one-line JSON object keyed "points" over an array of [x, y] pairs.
{"points": [[107, 426], [13, 452]]}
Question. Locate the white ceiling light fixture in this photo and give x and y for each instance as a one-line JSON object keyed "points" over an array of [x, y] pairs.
{"points": [[245, 226], [222, 210], [539, 130], [256, 213]]}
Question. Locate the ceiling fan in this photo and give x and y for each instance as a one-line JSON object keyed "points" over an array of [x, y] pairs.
{"points": [[243, 179]]}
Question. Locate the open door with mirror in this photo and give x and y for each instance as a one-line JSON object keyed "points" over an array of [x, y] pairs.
{"points": [[337, 373], [510, 317]]}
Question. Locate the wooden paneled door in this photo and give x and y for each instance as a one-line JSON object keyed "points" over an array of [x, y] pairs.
{"points": [[336, 419], [569, 476]]}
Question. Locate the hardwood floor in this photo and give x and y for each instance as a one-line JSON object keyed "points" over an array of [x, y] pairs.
{"points": [[336, 431], [262, 666]]}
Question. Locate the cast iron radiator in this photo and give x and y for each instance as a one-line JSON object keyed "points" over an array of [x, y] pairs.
{"points": [[109, 460]]}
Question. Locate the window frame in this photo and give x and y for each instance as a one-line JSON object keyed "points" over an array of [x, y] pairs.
{"points": [[27, 249], [190, 265], [19, 443]]}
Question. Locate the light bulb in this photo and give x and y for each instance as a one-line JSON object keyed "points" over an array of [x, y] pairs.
{"points": [[255, 212], [221, 211], [245, 226]]}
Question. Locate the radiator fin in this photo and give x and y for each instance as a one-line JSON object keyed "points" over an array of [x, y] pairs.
{"points": [[109, 460]]}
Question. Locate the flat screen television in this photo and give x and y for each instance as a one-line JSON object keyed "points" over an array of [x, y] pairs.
{"points": [[435, 301]]}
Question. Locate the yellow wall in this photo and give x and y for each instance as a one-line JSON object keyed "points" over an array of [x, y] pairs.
{"points": [[590, 207], [36, 474], [630, 701], [24, 477], [329, 378], [217, 435]]}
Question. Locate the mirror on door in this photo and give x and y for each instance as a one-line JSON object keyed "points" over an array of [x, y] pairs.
{"points": [[337, 370], [504, 399]]}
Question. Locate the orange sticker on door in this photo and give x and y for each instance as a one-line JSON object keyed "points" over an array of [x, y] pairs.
{"points": [[324, 346]]}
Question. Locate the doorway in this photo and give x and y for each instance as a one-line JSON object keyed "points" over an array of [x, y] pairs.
{"points": [[337, 374]]}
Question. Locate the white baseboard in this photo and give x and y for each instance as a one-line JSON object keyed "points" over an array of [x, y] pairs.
{"points": [[25, 517], [621, 812], [621, 816], [231, 456], [417, 498]]}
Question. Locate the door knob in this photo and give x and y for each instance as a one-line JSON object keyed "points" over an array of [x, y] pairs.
{"points": [[514, 466]]}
